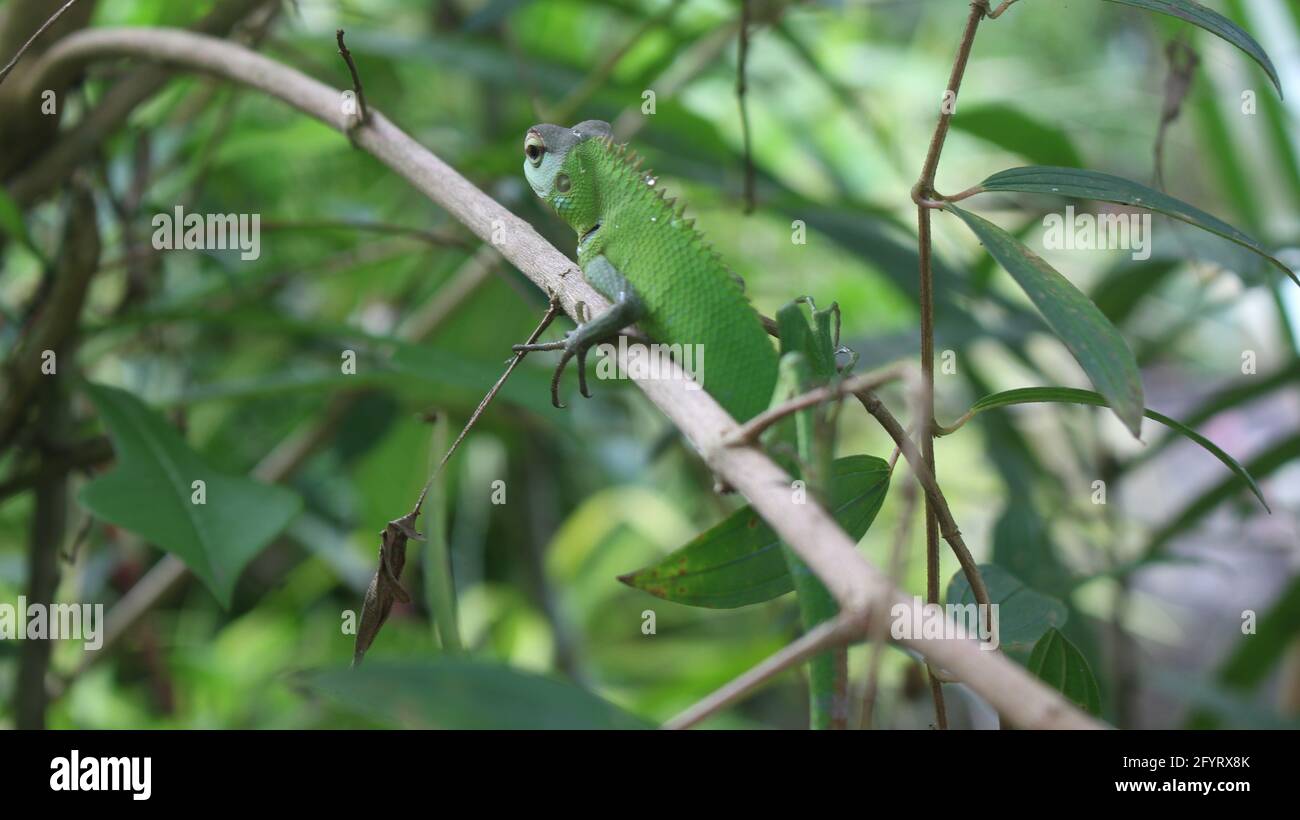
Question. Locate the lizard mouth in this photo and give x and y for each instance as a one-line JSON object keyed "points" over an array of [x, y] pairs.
{"points": [[582, 239]]}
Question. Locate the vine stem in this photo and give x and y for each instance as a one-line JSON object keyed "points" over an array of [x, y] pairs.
{"points": [[924, 195]]}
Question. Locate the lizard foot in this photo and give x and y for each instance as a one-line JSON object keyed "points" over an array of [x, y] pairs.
{"points": [[571, 349]]}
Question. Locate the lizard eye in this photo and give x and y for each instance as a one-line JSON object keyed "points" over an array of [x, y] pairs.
{"points": [[534, 148]]}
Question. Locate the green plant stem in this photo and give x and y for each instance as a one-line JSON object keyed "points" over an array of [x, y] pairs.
{"points": [[439, 588]]}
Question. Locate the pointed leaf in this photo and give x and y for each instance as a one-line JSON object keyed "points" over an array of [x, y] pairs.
{"points": [[739, 561], [1213, 22], [151, 493], [1096, 344], [1077, 182], [1059, 664], [1071, 395], [459, 693], [1024, 614], [1259, 652]]}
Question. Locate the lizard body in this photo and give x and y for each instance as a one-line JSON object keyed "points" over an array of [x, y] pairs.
{"points": [[639, 251]]}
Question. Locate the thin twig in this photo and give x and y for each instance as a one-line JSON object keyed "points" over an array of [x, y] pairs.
{"points": [[994, 14], [4, 72], [552, 311], [942, 513], [897, 562], [363, 116], [749, 432], [923, 194]]}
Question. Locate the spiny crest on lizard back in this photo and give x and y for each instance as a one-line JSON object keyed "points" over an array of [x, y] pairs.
{"points": [[643, 184], [563, 165]]}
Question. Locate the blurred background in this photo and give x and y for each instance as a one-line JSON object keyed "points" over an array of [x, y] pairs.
{"points": [[242, 358]]}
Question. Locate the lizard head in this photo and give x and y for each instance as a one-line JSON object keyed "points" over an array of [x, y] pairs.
{"points": [[560, 172]]}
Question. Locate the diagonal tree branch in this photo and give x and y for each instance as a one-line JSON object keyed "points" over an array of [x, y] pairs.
{"points": [[856, 584]]}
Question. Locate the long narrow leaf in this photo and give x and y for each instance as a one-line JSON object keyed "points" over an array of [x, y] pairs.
{"points": [[1077, 182], [1096, 344], [1071, 395], [1213, 22]]}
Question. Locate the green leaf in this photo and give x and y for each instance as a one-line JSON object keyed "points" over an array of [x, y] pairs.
{"points": [[739, 561], [1276, 455], [1071, 395], [1096, 344], [151, 494], [1060, 665], [1077, 182], [1024, 614], [1018, 133], [1260, 651], [460, 693], [1213, 22]]}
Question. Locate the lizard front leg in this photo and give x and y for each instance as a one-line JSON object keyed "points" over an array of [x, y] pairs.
{"points": [[627, 309]]}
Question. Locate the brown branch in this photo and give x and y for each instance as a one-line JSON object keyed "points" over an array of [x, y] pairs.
{"points": [[749, 432], [946, 525], [363, 116], [48, 530], [78, 259], [924, 195], [855, 584]]}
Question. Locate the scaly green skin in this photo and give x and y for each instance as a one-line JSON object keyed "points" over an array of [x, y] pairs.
{"points": [[640, 252], [687, 296]]}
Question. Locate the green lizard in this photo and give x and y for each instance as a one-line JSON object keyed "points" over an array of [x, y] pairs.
{"points": [[641, 253]]}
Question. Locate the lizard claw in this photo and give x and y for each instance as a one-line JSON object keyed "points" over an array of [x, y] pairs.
{"points": [[571, 349], [555, 379], [582, 373]]}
